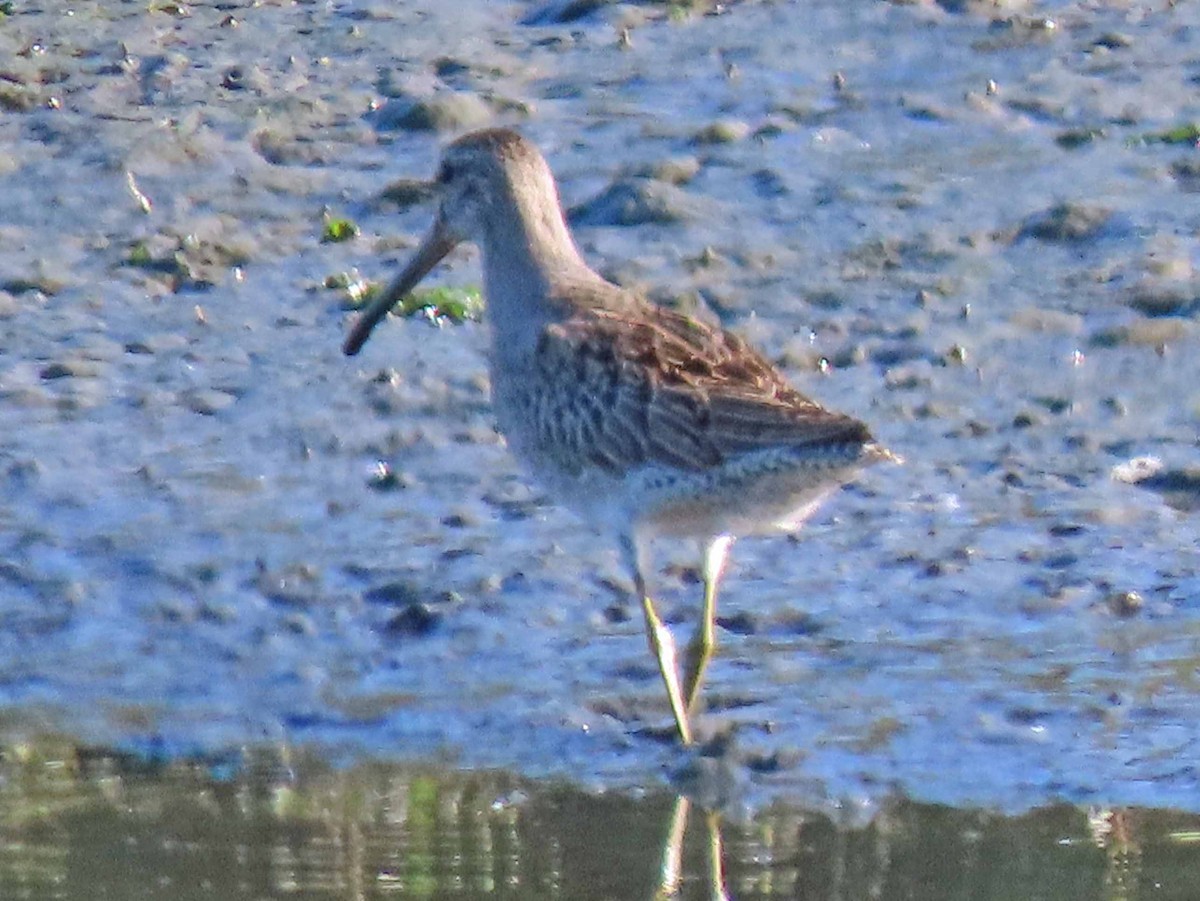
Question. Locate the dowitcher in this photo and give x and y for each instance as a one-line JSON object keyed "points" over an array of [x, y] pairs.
{"points": [[645, 421]]}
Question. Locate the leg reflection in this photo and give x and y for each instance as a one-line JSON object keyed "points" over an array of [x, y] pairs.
{"points": [[671, 873]]}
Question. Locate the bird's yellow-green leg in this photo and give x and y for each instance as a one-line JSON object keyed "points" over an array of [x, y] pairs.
{"points": [[700, 648], [662, 644]]}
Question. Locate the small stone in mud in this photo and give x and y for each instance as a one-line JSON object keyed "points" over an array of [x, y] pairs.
{"points": [[798, 622], [387, 479], [636, 201], [20, 98], [777, 761], [449, 67], [281, 147], [1137, 470], [897, 352], [23, 472], [406, 192], [560, 12], [725, 131], [1165, 297], [678, 170], [1125, 603], [616, 614], [244, 78], [447, 112], [956, 355], [1157, 333], [769, 183], [1067, 223], [207, 401], [1066, 529], [297, 585], [741, 623], [416, 619], [1074, 138], [1054, 403], [66, 369], [216, 613], [923, 109], [1180, 488], [299, 624], [171, 610], [1113, 40], [1187, 172], [462, 520], [393, 593], [512, 509], [458, 553]]}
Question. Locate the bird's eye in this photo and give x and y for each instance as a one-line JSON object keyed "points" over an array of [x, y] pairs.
{"points": [[445, 173]]}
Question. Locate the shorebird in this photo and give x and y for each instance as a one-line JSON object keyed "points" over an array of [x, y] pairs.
{"points": [[645, 421]]}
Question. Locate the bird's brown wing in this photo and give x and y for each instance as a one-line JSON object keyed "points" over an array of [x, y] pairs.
{"points": [[648, 385]]}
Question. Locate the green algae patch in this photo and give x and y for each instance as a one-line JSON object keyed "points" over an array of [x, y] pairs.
{"points": [[440, 305], [338, 229], [1181, 134]]}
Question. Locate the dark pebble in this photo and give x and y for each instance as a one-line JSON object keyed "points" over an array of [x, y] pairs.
{"points": [[560, 12], [742, 623], [387, 479], [616, 614], [415, 619], [395, 594], [66, 369]]}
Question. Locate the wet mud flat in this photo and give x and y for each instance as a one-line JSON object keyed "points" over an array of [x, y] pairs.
{"points": [[971, 225]]}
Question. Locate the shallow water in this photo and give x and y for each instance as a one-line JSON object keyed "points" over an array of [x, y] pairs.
{"points": [[196, 554], [100, 826]]}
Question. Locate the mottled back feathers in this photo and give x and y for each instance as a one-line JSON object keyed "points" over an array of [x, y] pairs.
{"points": [[648, 385]]}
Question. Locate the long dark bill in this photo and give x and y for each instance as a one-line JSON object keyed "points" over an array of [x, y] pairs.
{"points": [[436, 245]]}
